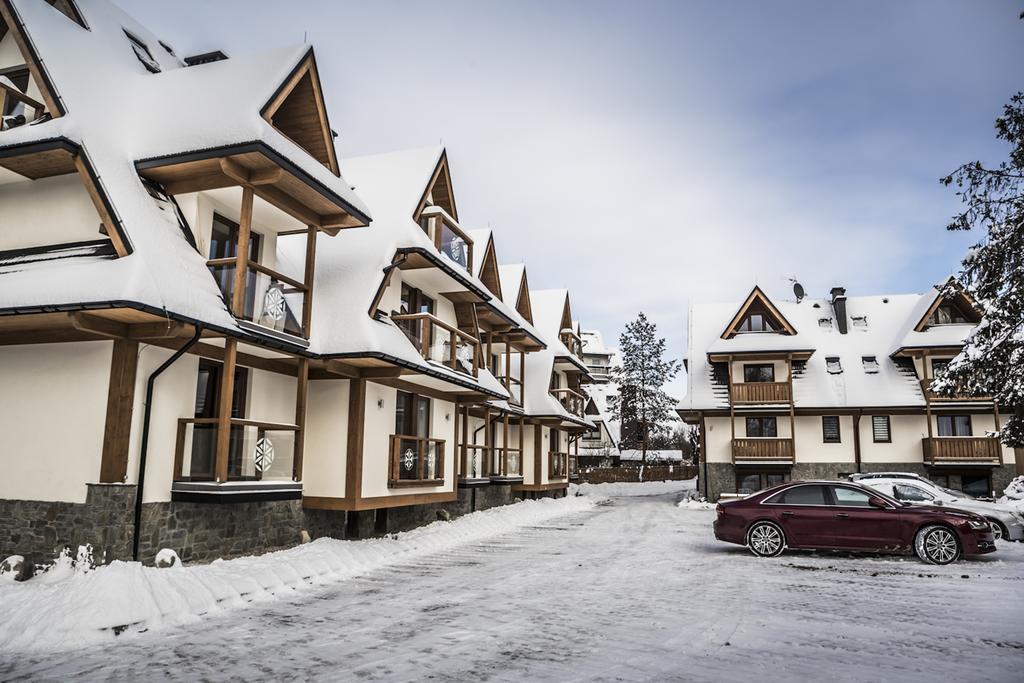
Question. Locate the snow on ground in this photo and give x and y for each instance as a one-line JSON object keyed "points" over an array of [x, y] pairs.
{"points": [[627, 488], [65, 609], [633, 590]]}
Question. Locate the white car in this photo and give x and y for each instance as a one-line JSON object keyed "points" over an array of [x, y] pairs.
{"points": [[1006, 522]]}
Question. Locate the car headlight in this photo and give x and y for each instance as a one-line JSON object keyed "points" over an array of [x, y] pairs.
{"points": [[978, 524]]}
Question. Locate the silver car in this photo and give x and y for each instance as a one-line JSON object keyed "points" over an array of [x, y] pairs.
{"points": [[1006, 522]]}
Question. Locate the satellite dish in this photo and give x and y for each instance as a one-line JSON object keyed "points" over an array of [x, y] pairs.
{"points": [[798, 290]]}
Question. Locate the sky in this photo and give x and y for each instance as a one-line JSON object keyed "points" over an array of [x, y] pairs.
{"points": [[648, 154]]}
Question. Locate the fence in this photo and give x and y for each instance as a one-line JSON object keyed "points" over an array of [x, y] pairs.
{"points": [[605, 475]]}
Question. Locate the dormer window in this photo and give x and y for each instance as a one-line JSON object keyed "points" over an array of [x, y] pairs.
{"points": [[143, 53], [825, 323], [947, 314], [755, 322], [870, 364], [833, 365]]}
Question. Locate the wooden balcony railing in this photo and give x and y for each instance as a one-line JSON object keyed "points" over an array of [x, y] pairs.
{"points": [[514, 385], [257, 451], [271, 299], [506, 462], [762, 449], [448, 237], [440, 342], [932, 396], [558, 464], [962, 449], [473, 461], [573, 467], [573, 401], [572, 342], [416, 461], [33, 109], [760, 392]]}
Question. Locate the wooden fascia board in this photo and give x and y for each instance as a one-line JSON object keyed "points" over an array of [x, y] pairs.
{"points": [[965, 301], [757, 295], [523, 299], [759, 355], [442, 167], [490, 263], [28, 52], [305, 65]]}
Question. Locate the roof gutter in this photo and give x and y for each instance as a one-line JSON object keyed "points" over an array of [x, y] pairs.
{"points": [[144, 449]]}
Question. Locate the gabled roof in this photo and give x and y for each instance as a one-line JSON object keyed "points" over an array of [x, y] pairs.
{"points": [[517, 286], [119, 113], [917, 332], [878, 325], [438, 190], [760, 301], [485, 260]]}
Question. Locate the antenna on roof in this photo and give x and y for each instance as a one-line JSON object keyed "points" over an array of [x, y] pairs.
{"points": [[798, 290], [305, 36]]}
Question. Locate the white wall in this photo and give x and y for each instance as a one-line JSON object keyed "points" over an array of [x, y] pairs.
{"points": [[906, 432], [326, 449], [810, 446], [47, 211], [53, 408]]}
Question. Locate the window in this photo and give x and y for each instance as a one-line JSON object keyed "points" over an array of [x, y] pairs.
{"points": [[751, 482], [224, 244], [976, 485], [414, 301], [911, 494], [880, 429], [800, 495], [850, 497], [954, 425], [759, 372], [755, 322], [204, 437], [68, 9], [143, 53], [20, 78], [830, 429], [833, 365], [870, 364], [947, 314], [762, 427], [415, 457]]}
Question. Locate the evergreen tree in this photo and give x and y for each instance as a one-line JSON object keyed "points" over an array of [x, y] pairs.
{"points": [[992, 361], [640, 405]]}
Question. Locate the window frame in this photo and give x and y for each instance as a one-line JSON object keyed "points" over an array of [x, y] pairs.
{"points": [[762, 476], [408, 404], [762, 421], [747, 367], [954, 421], [874, 429], [825, 495], [839, 429]]}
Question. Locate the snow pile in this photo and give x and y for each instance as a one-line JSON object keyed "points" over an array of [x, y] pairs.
{"points": [[647, 488], [694, 504], [1013, 494], [65, 609]]}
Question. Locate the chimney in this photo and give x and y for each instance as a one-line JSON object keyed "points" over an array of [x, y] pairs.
{"points": [[839, 306]]}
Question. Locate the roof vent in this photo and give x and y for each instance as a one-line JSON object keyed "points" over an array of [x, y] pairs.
{"points": [[870, 364], [833, 365], [206, 58], [859, 320], [825, 322]]}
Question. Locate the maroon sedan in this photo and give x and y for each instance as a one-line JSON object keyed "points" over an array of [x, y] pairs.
{"points": [[848, 516]]}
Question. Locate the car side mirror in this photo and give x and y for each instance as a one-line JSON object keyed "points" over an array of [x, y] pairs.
{"points": [[877, 503]]}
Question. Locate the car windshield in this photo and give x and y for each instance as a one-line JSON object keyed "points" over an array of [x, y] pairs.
{"points": [[955, 494]]}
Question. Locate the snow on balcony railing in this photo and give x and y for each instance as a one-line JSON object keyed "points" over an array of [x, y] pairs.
{"points": [[447, 236]]}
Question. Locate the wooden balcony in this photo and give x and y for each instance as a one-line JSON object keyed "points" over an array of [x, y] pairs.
{"points": [[256, 451], [267, 298], [950, 450], [440, 342], [760, 392], [573, 401], [416, 461], [932, 396], [572, 342], [558, 464], [31, 109], [506, 463], [762, 450], [448, 237]]}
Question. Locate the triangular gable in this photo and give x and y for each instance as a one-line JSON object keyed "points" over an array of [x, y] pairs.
{"points": [[758, 302], [12, 28], [439, 191], [298, 112], [523, 299], [488, 272], [69, 9], [952, 294], [566, 323]]}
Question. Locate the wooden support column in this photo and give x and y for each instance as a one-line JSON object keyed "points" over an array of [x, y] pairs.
{"points": [[301, 393], [732, 407], [455, 442], [504, 445], [792, 406], [307, 300], [538, 449], [227, 395], [242, 254], [856, 440], [488, 444], [927, 396], [120, 400], [465, 439], [356, 428]]}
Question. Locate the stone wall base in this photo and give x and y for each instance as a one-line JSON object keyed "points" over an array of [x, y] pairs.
{"points": [[721, 477]]}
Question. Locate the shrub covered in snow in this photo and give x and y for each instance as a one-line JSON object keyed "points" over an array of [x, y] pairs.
{"points": [[15, 568], [167, 558]]}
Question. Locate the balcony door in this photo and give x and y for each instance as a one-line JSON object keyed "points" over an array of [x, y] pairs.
{"points": [[414, 301], [412, 427], [224, 244], [954, 425], [204, 438]]}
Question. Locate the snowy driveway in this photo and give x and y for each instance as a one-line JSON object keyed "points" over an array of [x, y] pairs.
{"points": [[635, 590]]}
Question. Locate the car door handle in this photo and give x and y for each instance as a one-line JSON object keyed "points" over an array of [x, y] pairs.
{"points": [[841, 515], [787, 513]]}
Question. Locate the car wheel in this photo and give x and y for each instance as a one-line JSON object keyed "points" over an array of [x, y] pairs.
{"points": [[999, 533], [937, 545], [766, 539]]}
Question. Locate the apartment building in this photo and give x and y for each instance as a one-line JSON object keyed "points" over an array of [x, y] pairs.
{"points": [[818, 388]]}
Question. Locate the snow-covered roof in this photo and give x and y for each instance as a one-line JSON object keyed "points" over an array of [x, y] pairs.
{"points": [[593, 343], [599, 394], [878, 326], [120, 113], [548, 307]]}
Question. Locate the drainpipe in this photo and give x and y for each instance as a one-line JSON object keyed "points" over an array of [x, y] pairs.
{"points": [[856, 439], [136, 532]]}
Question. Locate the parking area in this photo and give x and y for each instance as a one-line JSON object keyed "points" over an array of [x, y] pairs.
{"points": [[637, 589]]}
